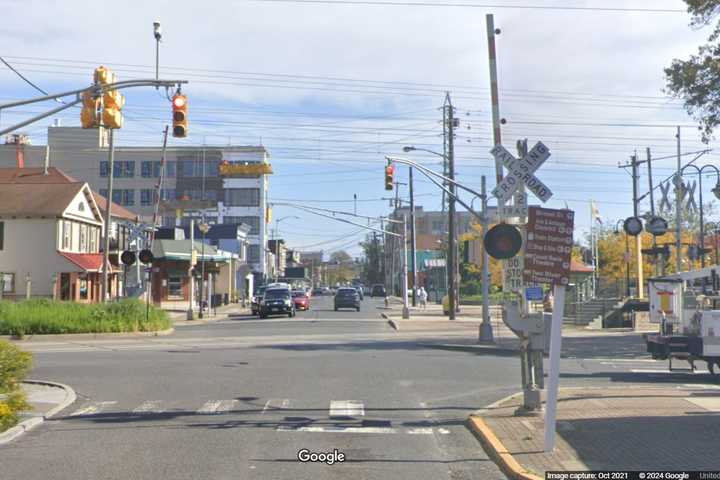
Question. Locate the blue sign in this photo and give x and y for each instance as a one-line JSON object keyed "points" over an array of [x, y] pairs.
{"points": [[533, 293]]}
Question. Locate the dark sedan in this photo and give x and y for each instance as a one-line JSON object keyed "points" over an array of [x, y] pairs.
{"points": [[347, 298]]}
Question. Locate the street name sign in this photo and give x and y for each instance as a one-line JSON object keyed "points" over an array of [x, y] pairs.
{"points": [[548, 246], [521, 171]]}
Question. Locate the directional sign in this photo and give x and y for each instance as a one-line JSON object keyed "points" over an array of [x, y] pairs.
{"points": [[548, 246], [521, 171]]}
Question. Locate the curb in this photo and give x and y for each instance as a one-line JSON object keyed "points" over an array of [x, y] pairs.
{"points": [[471, 348], [32, 422], [87, 336], [497, 451]]}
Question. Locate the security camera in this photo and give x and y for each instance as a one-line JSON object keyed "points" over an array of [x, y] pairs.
{"points": [[157, 30]]}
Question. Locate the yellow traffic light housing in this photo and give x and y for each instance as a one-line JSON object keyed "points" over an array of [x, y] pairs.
{"points": [[389, 171], [89, 112], [179, 108], [113, 102], [104, 76]]}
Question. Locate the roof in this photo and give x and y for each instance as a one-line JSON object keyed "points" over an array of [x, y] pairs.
{"points": [[89, 262], [579, 267], [34, 175], [180, 250], [115, 209], [42, 200]]}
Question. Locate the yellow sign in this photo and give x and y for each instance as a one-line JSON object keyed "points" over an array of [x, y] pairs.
{"points": [[244, 169], [193, 257], [268, 214]]}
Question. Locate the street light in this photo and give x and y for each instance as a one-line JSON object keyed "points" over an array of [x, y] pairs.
{"points": [[410, 148], [277, 245], [157, 31], [627, 259], [203, 227]]}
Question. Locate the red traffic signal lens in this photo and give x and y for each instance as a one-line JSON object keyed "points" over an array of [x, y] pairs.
{"points": [[503, 241], [389, 170], [179, 101]]}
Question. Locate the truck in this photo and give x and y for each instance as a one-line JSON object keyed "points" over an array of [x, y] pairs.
{"points": [[686, 308]]}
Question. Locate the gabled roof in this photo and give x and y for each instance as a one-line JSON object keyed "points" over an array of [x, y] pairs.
{"points": [[57, 176], [38, 200]]}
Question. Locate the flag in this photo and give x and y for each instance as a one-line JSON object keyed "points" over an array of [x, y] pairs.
{"points": [[594, 212]]}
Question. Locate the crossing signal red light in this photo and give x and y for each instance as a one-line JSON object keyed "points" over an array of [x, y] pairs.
{"points": [[180, 123], [503, 241], [389, 171]]}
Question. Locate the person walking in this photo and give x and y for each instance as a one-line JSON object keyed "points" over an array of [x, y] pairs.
{"points": [[423, 298]]}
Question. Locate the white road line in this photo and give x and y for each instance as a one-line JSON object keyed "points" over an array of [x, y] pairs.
{"points": [[149, 406], [346, 408], [210, 407], [667, 371], [276, 404], [92, 409], [698, 386], [382, 430]]}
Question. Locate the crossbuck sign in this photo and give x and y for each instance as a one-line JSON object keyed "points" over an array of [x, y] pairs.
{"points": [[521, 171]]}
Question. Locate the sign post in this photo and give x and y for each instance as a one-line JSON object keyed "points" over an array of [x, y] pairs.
{"points": [[548, 252]]}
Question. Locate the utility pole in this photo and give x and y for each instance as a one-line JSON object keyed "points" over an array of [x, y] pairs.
{"points": [[678, 206], [486, 333], [405, 310], [108, 203], [452, 240], [413, 253], [191, 281], [638, 239]]}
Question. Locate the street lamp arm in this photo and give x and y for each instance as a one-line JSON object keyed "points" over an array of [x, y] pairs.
{"points": [[410, 149], [430, 172]]}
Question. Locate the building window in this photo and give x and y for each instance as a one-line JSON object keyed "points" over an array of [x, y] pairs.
{"points": [[66, 235], [167, 194], [2, 235], [169, 169], [103, 168], [253, 253], [83, 238], [175, 288], [146, 196], [8, 282], [242, 197], [253, 222], [146, 169], [128, 197], [437, 226], [93, 239], [128, 169], [121, 169], [83, 287]]}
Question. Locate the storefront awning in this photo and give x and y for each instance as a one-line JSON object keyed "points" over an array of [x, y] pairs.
{"points": [[86, 262]]}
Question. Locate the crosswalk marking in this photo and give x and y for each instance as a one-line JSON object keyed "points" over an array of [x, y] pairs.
{"points": [[92, 409], [639, 370], [276, 404], [212, 407], [149, 406], [346, 408]]}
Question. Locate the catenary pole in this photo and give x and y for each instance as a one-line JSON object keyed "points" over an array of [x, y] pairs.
{"points": [[108, 203]]}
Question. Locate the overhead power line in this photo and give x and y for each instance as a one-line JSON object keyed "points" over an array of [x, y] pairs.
{"points": [[475, 5]]}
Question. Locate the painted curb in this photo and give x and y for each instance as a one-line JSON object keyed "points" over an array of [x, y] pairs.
{"points": [[32, 422], [470, 348], [497, 451], [88, 336]]}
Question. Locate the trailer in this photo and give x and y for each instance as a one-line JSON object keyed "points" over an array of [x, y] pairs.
{"points": [[686, 308]]}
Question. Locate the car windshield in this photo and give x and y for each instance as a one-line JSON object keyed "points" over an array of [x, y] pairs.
{"points": [[276, 294], [346, 292], [298, 293]]}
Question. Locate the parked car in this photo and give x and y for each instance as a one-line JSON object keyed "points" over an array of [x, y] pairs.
{"points": [[277, 301], [359, 289], [347, 297], [255, 301], [301, 300], [317, 291], [378, 290]]}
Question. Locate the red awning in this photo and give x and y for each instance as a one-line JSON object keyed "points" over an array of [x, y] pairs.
{"points": [[89, 262], [578, 267]]}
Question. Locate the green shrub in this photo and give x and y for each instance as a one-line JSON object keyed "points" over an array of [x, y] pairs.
{"points": [[42, 316], [14, 365]]}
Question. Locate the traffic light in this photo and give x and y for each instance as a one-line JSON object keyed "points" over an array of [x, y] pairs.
{"points": [[89, 112], [179, 106], [113, 102], [146, 256], [389, 171], [128, 257]]}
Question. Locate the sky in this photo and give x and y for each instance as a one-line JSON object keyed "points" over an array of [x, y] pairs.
{"points": [[331, 88]]}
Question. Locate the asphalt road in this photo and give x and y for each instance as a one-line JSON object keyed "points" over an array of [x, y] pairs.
{"points": [[239, 398]]}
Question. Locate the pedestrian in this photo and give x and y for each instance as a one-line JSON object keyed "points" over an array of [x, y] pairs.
{"points": [[423, 298]]}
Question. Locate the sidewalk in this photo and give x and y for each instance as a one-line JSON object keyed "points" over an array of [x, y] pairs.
{"points": [[221, 313], [46, 399], [623, 428]]}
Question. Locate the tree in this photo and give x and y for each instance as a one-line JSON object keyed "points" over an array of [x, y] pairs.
{"points": [[342, 267], [373, 266], [697, 80]]}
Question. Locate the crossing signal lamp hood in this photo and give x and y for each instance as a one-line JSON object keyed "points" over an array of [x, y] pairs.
{"points": [[503, 241]]}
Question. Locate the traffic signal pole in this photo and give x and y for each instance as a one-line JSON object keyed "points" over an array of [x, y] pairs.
{"points": [[413, 253], [405, 310], [108, 203]]}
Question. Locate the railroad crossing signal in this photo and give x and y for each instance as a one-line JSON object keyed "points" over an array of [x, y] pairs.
{"points": [[521, 171], [180, 123]]}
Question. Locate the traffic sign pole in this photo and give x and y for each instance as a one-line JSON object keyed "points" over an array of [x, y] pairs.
{"points": [[554, 373]]}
